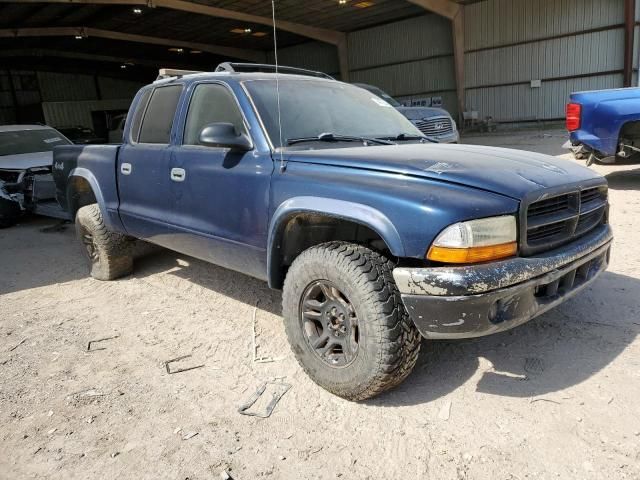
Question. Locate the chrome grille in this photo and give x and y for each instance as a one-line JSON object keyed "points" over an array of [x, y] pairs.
{"points": [[553, 221], [435, 126]]}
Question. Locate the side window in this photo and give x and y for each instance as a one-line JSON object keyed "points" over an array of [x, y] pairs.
{"points": [[136, 119], [211, 103], [156, 126]]}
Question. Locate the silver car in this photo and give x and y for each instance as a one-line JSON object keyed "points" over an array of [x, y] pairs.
{"points": [[26, 185], [434, 123]]}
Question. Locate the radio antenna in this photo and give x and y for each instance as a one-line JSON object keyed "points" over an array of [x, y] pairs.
{"points": [[275, 51]]}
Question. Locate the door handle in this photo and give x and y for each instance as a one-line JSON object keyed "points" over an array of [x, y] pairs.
{"points": [[125, 168], [178, 174]]}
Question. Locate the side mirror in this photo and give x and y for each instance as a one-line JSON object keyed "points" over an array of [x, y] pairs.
{"points": [[224, 135]]}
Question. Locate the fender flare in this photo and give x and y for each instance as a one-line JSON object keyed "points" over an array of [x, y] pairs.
{"points": [[355, 212], [86, 174]]}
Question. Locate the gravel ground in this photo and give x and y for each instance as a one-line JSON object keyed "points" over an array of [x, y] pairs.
{"points": [[555, 398]]}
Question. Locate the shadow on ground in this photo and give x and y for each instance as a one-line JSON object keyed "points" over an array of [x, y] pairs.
{"points": [[229, 283], [624, 180], [554, 352], [37, 252], [559, 349]]}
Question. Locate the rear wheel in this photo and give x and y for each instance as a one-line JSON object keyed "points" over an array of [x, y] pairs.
{"points": [[109, 254], [346, 322]]}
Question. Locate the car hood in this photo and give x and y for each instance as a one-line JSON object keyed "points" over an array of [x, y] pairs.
{"points": [[419, 113], [25, 161], [514, 173]]}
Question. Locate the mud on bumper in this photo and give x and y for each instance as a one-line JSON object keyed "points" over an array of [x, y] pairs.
{"points": [[472, 301]]}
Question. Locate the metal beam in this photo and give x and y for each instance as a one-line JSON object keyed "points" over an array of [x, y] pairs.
{"points": [[629, 32], [446, 8], [50, 53], [454, 12], [232, 52], [328, 36], [457, 28]]}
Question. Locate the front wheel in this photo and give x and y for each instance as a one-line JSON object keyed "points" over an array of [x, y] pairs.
{"points": [[346, 322], [109, 254]]}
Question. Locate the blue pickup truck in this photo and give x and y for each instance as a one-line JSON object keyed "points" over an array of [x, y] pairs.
{"points": [[604, 124], [376, 236]]}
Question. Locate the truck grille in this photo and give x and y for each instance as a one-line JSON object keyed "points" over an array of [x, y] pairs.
{"points": [[435, 126], [553, 221]]}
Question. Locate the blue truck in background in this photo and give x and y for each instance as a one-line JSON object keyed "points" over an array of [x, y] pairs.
{"points": [[604, 124], [376, 236]]}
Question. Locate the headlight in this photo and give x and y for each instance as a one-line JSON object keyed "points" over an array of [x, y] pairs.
{"points": [[476, 241]]}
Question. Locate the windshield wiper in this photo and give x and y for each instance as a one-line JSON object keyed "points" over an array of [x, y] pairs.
{"points": [[332, 137], [404, 137]]}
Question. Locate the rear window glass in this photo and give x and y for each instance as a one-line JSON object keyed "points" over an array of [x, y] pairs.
{"points": [[136, 120], [156, 126], [30, 141]]}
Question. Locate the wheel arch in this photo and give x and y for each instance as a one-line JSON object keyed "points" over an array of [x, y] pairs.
{"points": [[302, 222], [83, 190]]}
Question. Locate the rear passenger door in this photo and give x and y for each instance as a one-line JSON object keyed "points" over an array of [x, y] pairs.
{"points": [[221, 197], [143, 165]]}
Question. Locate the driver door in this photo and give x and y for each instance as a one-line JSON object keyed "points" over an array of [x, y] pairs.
{"points": [[219, 196]]}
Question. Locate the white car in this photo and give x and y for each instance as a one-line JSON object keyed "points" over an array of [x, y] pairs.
{"points": [[26, 184]]}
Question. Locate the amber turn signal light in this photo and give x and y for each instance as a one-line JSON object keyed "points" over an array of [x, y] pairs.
{"points": [[472, 254]]}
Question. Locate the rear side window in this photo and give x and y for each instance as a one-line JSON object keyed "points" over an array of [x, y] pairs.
{"points": [[156, 126], [136, 120], [211, 103]]}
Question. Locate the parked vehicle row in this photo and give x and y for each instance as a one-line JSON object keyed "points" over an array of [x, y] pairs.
{"points": [[377, 235]]}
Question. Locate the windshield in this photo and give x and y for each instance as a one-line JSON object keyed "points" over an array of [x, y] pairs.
{"points": [[382, 94], [30, 141], [310, 108]]}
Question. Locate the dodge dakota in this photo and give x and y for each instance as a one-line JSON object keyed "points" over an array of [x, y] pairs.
{"points": [[376, 236]]}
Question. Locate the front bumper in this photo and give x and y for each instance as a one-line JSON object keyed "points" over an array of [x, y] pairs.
{"points": [[453, 137], [477, 300]]}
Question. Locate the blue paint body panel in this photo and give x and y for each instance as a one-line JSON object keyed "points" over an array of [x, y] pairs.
{"points": [[232, 208], [604, 113]]}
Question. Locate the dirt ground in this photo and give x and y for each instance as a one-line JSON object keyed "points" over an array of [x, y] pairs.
{"points": [[556, 398]]}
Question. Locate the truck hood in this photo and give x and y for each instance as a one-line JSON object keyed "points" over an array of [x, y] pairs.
{"points": [[514, 173], [24, 161]]}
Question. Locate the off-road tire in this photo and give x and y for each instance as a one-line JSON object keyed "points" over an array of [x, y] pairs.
{"points": [[389, 341], [110, 254]]}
